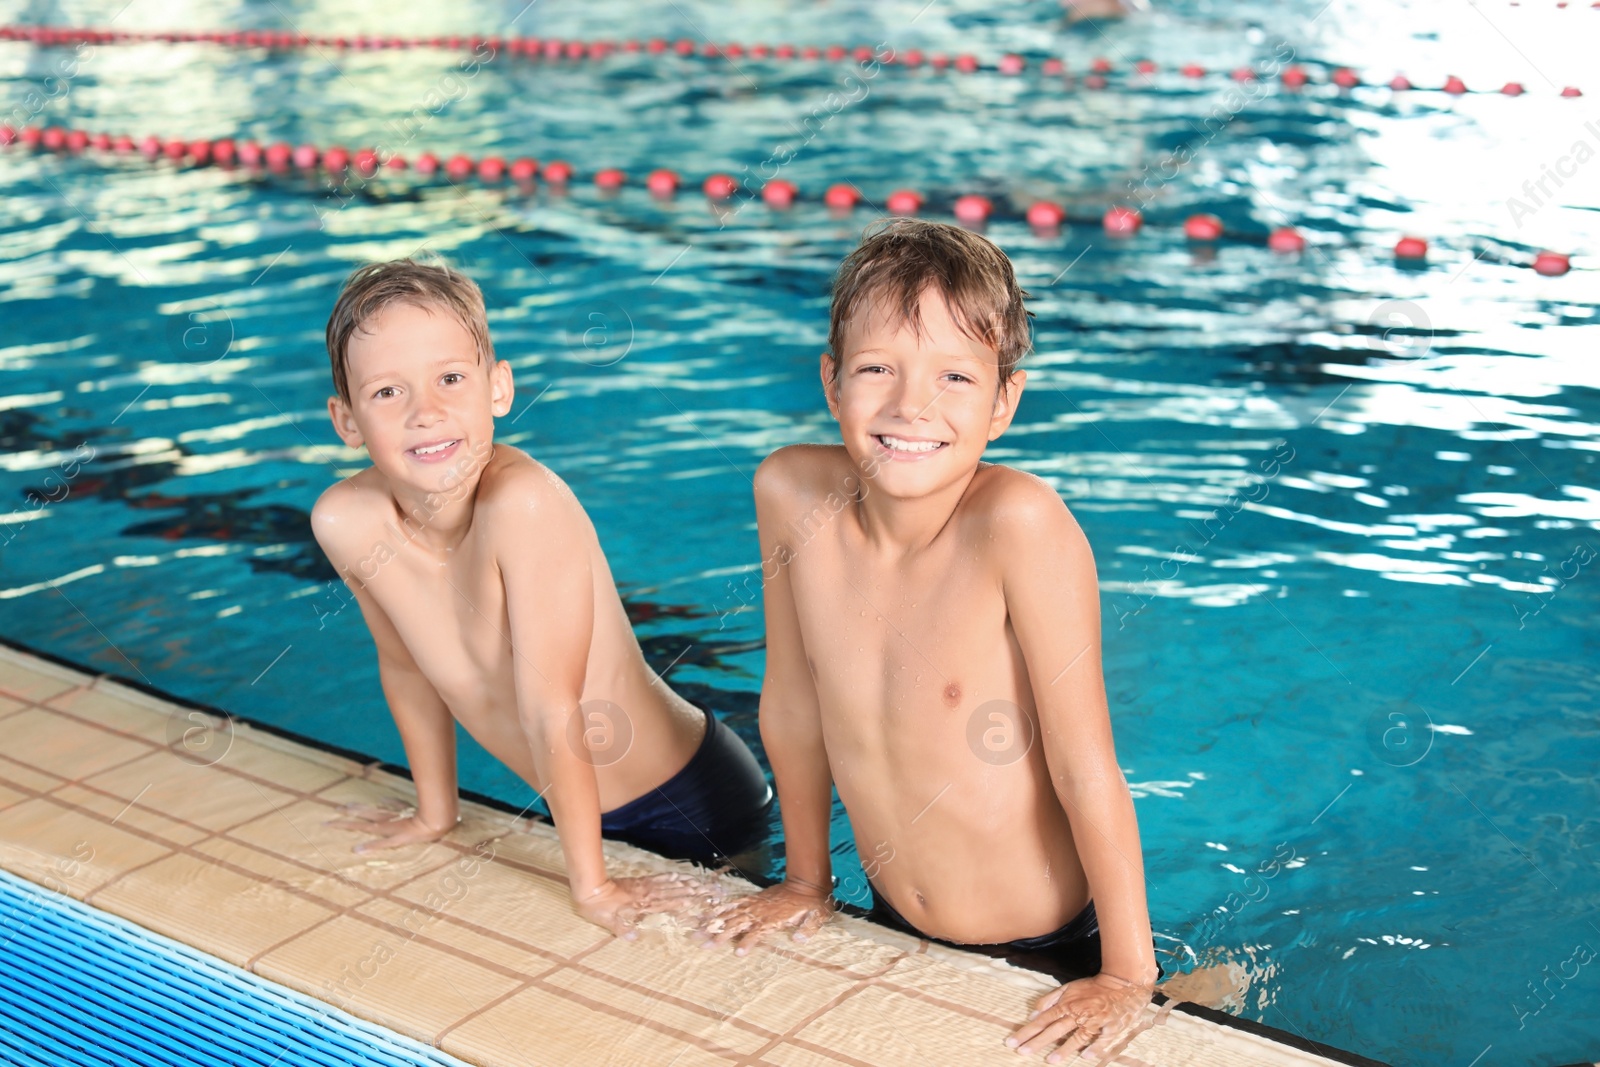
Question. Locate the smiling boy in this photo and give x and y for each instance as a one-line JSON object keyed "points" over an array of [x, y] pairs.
{"points": [[491, 604], [933, 652]]}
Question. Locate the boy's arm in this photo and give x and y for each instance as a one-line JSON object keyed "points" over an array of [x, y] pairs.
{"points": [[542, 546], [1053, 599], [791, 723], [427, 729]]}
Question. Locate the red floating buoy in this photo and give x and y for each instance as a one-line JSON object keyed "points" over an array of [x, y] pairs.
{"points": [[366, 161], [77, 140], [54, 138], [863, 54], [1512, 89], [842, 196], [200, 152], [1243, 74], [1192, 70], [279, 155], [1046, 215], [610, 178], [785, 51], [913, 57], [661, 183], [175, 149], [1122, 220], [1094, 81], [1052, 68], [396, 162], [972, 209], [1145, 66], [810, 51], [684, 47], [1455, 85], [1101, 65], [491, 169], [1202, 227], [835, 52], [1571, 90], [1011, 63], [1286, 239], [1552, 264], [1400, 83], [719, 186], [305, 156], [524, 170], [656, 46], [7, 134], [1294, 77], [249, 152], [904, 202], [458, 166], [1345, 78], [558, 172], [966, 63], [779, 193], [427, 163], [99, 142], [1411, 248], [336, 159]]}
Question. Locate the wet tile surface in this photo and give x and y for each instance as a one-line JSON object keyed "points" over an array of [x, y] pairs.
{"points": [[213, 833]]}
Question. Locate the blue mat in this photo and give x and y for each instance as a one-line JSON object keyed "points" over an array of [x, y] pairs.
{"points": [[83, 987]]}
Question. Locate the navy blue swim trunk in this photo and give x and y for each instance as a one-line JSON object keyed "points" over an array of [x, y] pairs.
{"points": [[714, 808], [1069, 953]]}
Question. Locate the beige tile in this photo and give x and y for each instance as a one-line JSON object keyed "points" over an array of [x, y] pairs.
{"points": [[477, 823], [21, 776], [723, 1029], [269, 740], [214, 909], [334, 890], [434, 920], [978, 983], [538, 1028], [29, 679], [247, 755], [879, 1026], [513, 903], [62, 746], [297, 831], [762, 988], [9, 706], [67, 850], [133, 816], [385, 975], [146, 718], [206, 796], [9, 796], [787, 1055]]}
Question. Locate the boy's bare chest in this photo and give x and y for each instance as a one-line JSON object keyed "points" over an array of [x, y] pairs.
{"points": [[451, 616], [928, 635]]}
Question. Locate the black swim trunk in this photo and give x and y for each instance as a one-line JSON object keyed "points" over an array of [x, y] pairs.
{"points": [[714, 808], [1068, 953]]}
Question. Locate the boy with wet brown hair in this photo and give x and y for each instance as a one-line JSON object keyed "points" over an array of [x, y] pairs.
{"points": [[491, 604], [933, 652]]}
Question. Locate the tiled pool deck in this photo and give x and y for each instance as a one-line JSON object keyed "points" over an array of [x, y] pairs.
{"points": [[470, 944]]}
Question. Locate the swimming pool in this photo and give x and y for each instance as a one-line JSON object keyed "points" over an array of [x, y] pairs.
{"points": [[1395, 888]]}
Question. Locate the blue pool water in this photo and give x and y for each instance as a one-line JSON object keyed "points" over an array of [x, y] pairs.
{"points": [[1358, 711], [83, 988]]}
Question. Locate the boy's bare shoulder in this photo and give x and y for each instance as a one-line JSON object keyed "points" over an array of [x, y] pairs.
{"points": [[518, 492], [797, 476], [1021, 512], [347, 510]]}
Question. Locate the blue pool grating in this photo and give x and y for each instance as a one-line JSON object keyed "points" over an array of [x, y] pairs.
{"points": [[78, 986]]}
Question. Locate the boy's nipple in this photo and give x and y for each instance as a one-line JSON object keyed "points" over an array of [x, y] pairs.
{"points": [[952, 695]]}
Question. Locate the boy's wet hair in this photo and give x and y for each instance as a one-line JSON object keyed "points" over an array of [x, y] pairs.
{"points": [[898, 262], [376, 286]]}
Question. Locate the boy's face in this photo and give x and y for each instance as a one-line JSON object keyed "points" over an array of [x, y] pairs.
{"points": [[915, 412], [422, 401]]}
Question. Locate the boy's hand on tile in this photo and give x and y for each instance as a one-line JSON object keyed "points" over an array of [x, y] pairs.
{"points": [[618, 904], [785, 906], [1091, 1016], [393, 828]]}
